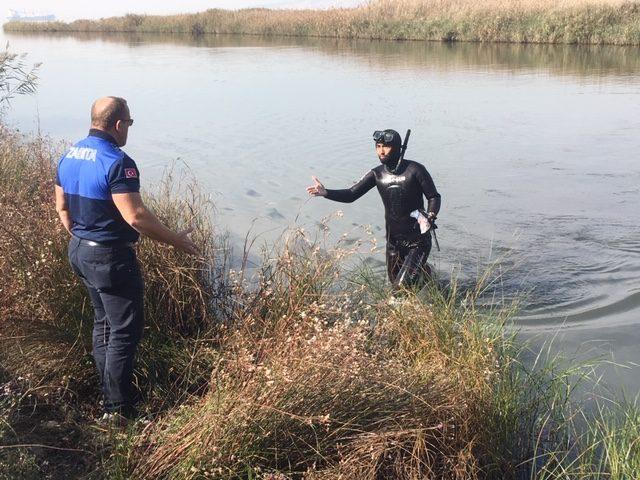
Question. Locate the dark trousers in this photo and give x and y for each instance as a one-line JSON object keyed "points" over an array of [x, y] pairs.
{"points": [[407, 266], [114, 282]]}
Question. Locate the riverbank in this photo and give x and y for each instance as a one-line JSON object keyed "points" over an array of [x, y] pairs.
{"points": [[307, 370], [614, 22]]}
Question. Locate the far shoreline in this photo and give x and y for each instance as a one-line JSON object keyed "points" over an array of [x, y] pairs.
{"points": [[583, 22]]}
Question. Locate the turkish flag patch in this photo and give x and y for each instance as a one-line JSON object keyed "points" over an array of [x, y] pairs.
{"points": [[130, 173]]}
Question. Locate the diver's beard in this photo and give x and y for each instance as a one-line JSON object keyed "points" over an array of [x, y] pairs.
{"points": [[389, 161]]}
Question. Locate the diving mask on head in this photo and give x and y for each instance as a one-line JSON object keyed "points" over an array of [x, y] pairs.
{"points": [[388, 137], [392, 139]]}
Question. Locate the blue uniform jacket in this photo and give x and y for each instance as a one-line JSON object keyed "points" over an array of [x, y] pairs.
{"points": [[92, 170]]}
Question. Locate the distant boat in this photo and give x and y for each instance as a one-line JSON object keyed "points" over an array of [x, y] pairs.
{"points": [[15, 16]]}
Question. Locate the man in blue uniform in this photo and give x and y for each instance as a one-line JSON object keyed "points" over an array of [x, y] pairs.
{"points": [[98, 201]]}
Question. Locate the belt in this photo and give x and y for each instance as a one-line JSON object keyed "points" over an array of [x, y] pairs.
{"points": [[91, 243]]}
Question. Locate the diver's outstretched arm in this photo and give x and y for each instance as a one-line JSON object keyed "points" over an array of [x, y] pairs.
{"points": [[346, 195]]}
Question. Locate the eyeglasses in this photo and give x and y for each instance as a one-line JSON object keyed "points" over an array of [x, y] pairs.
{"points": [[381, 136], [127, 120]]}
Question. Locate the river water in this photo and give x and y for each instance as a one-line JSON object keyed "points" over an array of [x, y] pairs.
{"points": [[535, 150]]}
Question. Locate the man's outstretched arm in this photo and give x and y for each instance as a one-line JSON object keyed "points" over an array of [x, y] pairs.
{"points": [[346, 195], [136, 214]]}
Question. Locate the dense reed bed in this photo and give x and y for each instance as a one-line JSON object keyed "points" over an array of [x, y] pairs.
{"points": [[570, 21], [303, 370]]}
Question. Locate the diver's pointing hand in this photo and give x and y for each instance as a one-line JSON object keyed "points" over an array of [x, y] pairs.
{"points": [[317, 189]]}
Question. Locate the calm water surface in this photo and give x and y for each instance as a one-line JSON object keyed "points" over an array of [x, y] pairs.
{"points": [[535, 150]]}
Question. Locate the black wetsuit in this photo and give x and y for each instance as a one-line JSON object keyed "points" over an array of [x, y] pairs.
{"points": [[402, 192]]}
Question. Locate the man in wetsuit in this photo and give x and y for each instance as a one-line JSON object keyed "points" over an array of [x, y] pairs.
{"points": [[402, 185]]}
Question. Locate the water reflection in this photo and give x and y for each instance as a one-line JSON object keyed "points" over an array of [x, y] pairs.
{"points": [[559, 60]]}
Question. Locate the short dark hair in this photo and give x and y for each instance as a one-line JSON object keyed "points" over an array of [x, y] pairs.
{"points": [[110, 114]]}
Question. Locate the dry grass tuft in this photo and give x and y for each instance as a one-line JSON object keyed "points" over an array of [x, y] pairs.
{"points": [[305, 384]]}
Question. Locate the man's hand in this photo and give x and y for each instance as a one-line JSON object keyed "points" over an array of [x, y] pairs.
{"points": [[317, 189], [185, 243]]}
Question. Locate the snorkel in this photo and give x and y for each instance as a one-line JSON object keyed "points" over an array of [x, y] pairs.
{"points": [[403, 149]]}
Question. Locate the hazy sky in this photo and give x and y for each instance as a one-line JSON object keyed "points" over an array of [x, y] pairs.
{"points": [[73, 9]]}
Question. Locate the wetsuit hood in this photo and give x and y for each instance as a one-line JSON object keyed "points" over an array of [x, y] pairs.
{"points": [[396, 142]]}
